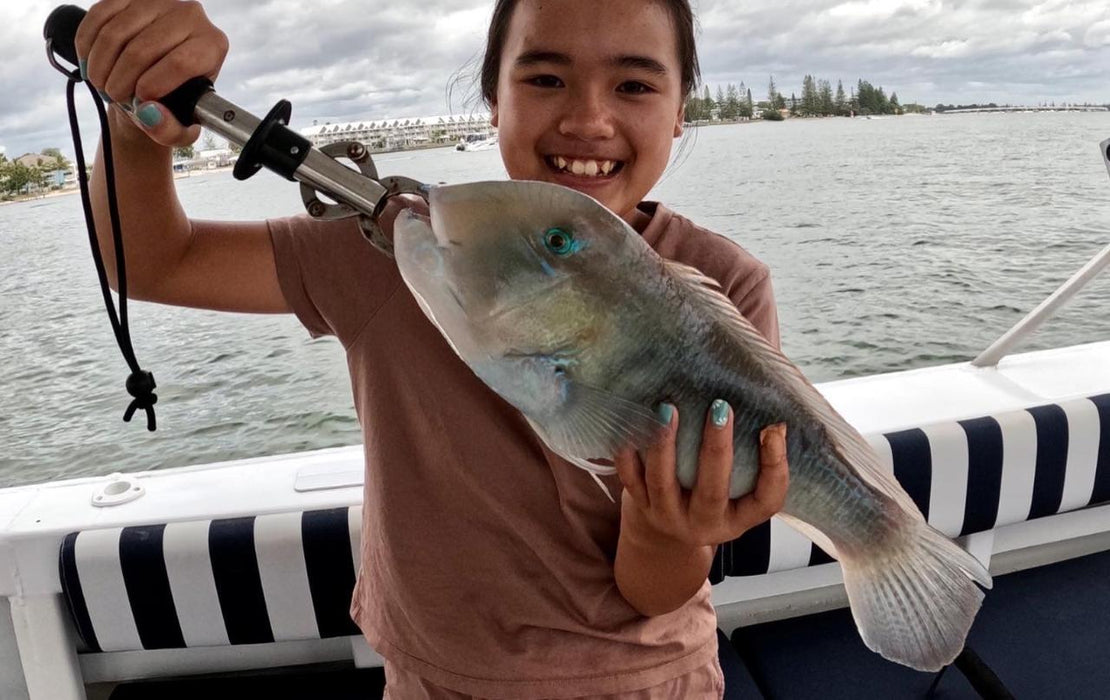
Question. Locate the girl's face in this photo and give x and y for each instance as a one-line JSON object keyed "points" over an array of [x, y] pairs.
{"points": [[589, 95]]}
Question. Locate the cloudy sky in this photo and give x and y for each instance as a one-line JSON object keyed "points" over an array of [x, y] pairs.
{"points": [[339, 60]]}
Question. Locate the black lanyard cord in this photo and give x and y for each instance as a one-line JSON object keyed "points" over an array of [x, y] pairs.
{"points": [[140, 384]]}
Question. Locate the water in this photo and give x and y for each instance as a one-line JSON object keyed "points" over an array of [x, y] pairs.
{"points": [[893, 243]]}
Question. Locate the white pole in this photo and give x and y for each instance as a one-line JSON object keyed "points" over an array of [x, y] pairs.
{"points": [[1025, 327], [47, 649]]}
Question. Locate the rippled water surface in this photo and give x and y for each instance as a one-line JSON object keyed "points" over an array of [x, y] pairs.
{"points": [[893, 243]]}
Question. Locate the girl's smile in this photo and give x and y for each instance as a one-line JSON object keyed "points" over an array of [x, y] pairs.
{"points": [[585, 107]]}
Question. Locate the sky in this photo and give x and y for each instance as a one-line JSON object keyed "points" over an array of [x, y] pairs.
{"points": [[344, 60]]}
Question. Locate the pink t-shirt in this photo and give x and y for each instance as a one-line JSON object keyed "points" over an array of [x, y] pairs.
{"points": [[487, 561]]}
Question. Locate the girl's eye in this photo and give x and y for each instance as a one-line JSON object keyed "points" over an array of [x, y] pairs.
{"points": [[546, 81], [634, 87], [559, 241]]}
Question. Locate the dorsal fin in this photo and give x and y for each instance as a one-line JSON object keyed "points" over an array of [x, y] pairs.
{"points": [[846, 440]]}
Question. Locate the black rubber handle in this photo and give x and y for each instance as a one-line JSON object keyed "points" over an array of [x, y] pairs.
{"points": [[61, 30]]}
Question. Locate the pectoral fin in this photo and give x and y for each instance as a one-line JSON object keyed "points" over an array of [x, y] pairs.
{"points": [[596, 424]]}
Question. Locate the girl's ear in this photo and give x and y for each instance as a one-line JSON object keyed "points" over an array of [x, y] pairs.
{"points": [[680, 120], [493, 113]]}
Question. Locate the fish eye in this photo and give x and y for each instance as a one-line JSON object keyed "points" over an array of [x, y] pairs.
{"points": [[559, 241]]}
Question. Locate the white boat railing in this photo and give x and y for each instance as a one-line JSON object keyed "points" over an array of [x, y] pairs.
{"points": [[1026, 326], [1047, 308]]}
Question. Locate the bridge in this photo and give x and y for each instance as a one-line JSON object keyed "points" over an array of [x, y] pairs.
{"points": [[1067, 108]]}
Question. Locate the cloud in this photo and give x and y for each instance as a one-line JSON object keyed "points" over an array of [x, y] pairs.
{"points": [[340, 60]]}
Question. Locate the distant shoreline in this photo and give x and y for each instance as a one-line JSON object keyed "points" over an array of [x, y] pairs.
{"points": [[200, 172]]}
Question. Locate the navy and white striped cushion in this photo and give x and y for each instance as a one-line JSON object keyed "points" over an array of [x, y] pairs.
{"points": [[968, 476], [286, 576], [289, 576]]}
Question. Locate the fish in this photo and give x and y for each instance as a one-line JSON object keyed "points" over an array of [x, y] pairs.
{"points": [[564, 311]]}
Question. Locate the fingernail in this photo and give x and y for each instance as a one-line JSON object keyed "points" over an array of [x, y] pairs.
{"points": [[83, 66], [718, 411], [149, 115], [104, 96], [666, 413]]}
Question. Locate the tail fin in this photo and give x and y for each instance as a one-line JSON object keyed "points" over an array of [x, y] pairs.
{"points": [[916, 605]]}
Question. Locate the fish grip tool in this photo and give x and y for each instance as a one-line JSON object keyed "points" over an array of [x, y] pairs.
{"points": [[266, 143]]}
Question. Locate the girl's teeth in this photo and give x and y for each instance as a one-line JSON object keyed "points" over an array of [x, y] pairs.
{"points": [[590, 168]]}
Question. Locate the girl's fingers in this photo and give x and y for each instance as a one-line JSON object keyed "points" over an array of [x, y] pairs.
{"points": [[771, 486], [162, 36], [709, 500], [630, 469], [663, 490], [196, 56], [111, 40], [98, 15]]}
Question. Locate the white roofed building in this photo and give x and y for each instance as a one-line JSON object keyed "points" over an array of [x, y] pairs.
{"points": [[407, 132]]}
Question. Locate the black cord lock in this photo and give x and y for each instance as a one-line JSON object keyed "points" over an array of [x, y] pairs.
{"points": [[141, 385]]}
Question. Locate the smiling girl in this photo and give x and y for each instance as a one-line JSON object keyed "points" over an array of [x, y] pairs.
{"points": [[490, 567]]}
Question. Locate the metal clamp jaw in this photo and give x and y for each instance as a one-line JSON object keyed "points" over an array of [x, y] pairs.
{"points": [[392, 185]]}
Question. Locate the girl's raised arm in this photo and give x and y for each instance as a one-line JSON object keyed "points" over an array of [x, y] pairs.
{"points": [[135, 51]]}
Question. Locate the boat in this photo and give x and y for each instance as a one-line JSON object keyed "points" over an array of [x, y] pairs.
{"points": [[477, 142], [238, 574]]}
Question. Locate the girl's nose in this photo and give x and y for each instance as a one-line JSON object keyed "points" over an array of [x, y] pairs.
{"points": [[587, 116]]}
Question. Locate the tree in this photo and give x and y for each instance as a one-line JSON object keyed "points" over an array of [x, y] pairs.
{"points": [[184, 152], [810, 104], [209, 142], [773, 95], [732, 102], [57, 160], [751, 105], [18, 175], [894, 106], [825, 105], [841, 102], [707, 104], [721, 106]]}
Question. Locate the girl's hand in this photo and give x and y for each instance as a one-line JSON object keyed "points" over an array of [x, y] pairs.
{"points": [[655, 504], [136, 51]]}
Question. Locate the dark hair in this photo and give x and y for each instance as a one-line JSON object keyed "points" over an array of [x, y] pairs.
{"points": [[681, 15]]}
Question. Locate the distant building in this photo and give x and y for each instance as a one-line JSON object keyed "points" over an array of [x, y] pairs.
{"points": [[62, 177], [396, 134]]}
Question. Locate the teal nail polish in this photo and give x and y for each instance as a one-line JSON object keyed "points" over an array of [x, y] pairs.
{"points": [[666, 413], [83, 66], [149, 115], [104, 96], [718, 412]]}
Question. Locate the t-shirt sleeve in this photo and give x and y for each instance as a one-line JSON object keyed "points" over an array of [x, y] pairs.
{"points": [[744, 279], [755, 298], [332, 278]]}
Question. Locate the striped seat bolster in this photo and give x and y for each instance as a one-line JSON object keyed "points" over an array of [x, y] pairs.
{"points": [[968, 476], [279, 577]]}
